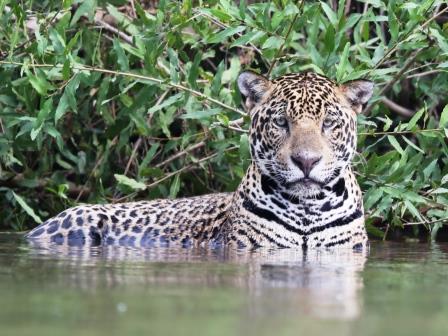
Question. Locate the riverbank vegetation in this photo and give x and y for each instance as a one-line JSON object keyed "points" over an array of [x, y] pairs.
{"points": [[112, 101]]}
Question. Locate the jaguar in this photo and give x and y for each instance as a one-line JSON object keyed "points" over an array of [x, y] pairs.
{"points": [[299, 191]]}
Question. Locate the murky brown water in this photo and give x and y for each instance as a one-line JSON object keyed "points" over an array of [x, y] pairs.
{"points": [[396, 289]]}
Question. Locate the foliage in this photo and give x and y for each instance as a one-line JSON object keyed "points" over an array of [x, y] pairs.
{"points": [[105, 101]]}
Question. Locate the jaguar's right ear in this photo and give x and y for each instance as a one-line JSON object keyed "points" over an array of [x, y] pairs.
{"points": [[253, 87]]}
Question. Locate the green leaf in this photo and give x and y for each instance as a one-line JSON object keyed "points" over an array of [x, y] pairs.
{"points": [[415, 118], [57, 40], [66, 70], [223, 119], [61, 109], [413, 210], [444, 117], [39, 82], [444, 179], [167, 102], [244, 147], [87, 8], [342, 66], [194, 70], [372, 196], [430, 169], [330, 14], [387, 124], [54, 133], [41, 117], [27, 208], [441, 39], [395, 144], [174, 66], [122, 59], [221, 15], [175, 186], [329, 39], [68, 98], [440, 191], [222, 35], [204, 114], [41, 43], [217, 80], [72, 42], [273, 42], [129, 182], [148, 157], [413, 145], [393, 23], [247, 38]]}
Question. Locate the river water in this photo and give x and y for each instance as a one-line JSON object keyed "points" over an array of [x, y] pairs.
{"points": [[395, 289]]}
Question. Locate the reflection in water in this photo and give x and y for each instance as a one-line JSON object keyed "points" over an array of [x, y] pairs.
{"points": [[400, 290], [322, 284]]}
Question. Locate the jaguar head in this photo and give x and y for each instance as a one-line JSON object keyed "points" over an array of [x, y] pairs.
{"points": [[303, 127]]}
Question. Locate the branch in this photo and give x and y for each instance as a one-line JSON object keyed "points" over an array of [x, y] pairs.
{"points": [[402, 111], [427, 222], [426, 73], [279, 51], [394, 133], [114, 30], [400, 73], [223, 25], [181, 153], [134, 152], [416, 27], [234, 125], [131, 75], [42, 183], [157, 182]]}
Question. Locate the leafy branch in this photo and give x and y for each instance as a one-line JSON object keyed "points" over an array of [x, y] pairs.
{"points": [[130, 75]]}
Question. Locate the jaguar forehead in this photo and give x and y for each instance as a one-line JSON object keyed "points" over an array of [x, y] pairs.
{"points": [[305, 95]]}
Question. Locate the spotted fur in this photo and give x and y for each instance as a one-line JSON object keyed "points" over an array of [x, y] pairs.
{"points": [[299, 190]]}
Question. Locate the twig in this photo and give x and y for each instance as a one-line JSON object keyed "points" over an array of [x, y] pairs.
{"points": [[42, 183], [223, 25], [407, 35], [279, 51], [426, 73], [237, 122], [402, 111], [134, 14], [20, 46], [426, 222], [157, 182], [421, 66], [181, 153], [97, 163], [386, 231], [400, 73], [401, 132], [114, 30], [131, 158], [132, 75], [347, 7]]}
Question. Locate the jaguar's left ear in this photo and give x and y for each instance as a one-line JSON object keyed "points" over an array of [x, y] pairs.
{"points": [[357, 92]]}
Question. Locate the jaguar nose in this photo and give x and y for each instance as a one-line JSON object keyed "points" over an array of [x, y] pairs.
{"points": [[305, 163]]}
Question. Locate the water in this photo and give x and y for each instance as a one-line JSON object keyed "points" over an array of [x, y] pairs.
{"points": [[397, 289]]}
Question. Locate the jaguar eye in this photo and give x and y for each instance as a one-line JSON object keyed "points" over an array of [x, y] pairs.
{"points": [[327, 123], [281, 122]]}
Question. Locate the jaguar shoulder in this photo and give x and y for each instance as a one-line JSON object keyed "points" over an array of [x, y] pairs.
{"points": [[299, 190]]}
